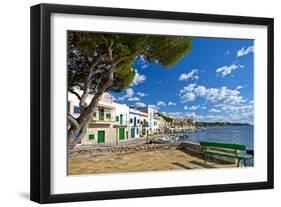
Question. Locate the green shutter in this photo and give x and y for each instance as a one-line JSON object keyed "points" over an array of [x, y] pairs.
{"points": [[121, 119], [101, 114], [91, 136], [117, 118]]}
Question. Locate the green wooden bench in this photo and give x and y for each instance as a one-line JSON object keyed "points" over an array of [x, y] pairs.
{"points": [[224, 149]]}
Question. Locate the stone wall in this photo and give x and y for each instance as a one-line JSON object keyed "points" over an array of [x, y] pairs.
{"points": [[119, 149], [195, 149]]}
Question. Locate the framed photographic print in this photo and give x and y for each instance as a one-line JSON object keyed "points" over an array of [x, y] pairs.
{"points": [[132, 103]]}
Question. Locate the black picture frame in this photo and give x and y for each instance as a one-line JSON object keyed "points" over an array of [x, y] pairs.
{"points": [[41, 96]]}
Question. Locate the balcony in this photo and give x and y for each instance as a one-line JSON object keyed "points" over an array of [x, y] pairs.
{"points": [[103, 117]]}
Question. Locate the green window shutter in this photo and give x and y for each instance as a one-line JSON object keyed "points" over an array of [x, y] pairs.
{"points": [[108, 116], [94, 114], [117, 118], [121, 119], [91, 136]]}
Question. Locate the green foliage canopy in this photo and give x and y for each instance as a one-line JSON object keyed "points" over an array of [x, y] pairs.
{"points": [[85, 47]]}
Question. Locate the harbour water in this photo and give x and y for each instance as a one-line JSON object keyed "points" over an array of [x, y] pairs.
{"points": [[225, 134]]}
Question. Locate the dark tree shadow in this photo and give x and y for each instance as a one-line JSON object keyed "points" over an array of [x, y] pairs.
{"points": [[201, 164], [181, 165]]}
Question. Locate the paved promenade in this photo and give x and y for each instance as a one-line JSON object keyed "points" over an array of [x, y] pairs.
{"points": [[158, 160]]}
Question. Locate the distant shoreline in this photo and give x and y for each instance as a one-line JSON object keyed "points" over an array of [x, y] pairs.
{"points": [[207, 124]]}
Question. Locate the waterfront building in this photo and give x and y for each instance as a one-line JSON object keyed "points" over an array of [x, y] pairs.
{"points": [[134, 123], [143, 123], [156, 124], [122, 119], [101, 128], [182, 124], [150, 117]]}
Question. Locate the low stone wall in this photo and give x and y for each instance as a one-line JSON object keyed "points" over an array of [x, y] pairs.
{"points": [[195, 149], [119, 149]]}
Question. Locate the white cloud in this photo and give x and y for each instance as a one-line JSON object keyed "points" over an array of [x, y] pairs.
{"points": [[138, 79], [129, 92], [143, 64], [174, 114], [187, 97], [239, 87], [156, 108], [133, 99], [215, 110], [140, 104], [141, 94], [213, 95], [188, 88], [193, 75], [171, 103], [186, 94], [192, 108], [161, 103], [227, 70], [244, 51], [200, 90]]}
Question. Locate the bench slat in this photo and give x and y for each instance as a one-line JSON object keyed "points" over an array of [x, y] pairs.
{"points": [[223, 145]]}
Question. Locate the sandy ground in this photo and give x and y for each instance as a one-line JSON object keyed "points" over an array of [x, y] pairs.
{"points": [[161, 160]]}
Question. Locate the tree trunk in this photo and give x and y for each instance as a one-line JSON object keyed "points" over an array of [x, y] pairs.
{"points": [[85, 117]]}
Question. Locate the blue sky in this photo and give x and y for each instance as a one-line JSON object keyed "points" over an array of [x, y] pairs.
{"points": [[213, 82]]}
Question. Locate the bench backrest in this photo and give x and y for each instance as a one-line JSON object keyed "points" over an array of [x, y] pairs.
{"points": [[224, 145]]}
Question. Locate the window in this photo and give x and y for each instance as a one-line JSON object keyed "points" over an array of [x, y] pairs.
{"points": [[108, 116], [94, 114], [138, 121], [131, 121], [101, 114], [91, 136], [76, 110], [117, 119], [121, 119], [137, 130]]}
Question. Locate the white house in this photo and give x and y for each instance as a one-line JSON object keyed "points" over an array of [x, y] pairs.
{"points": [[150, 117], [121, 121], [134, 123]]}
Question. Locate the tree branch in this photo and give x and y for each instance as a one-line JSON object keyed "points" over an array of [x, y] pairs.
{"points": [[75, 93], [73, 122], [126, 57], [85, 94], [109, 50]]}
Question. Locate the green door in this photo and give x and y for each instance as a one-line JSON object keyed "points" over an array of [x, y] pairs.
{"points": [[101, 136], [121, 133]]}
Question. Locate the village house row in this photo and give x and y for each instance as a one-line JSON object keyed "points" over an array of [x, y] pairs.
{"points": [[114, 122]]}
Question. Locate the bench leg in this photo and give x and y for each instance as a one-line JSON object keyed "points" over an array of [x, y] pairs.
{"points": [[244, 163], [205, 158], [238, 162]]}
